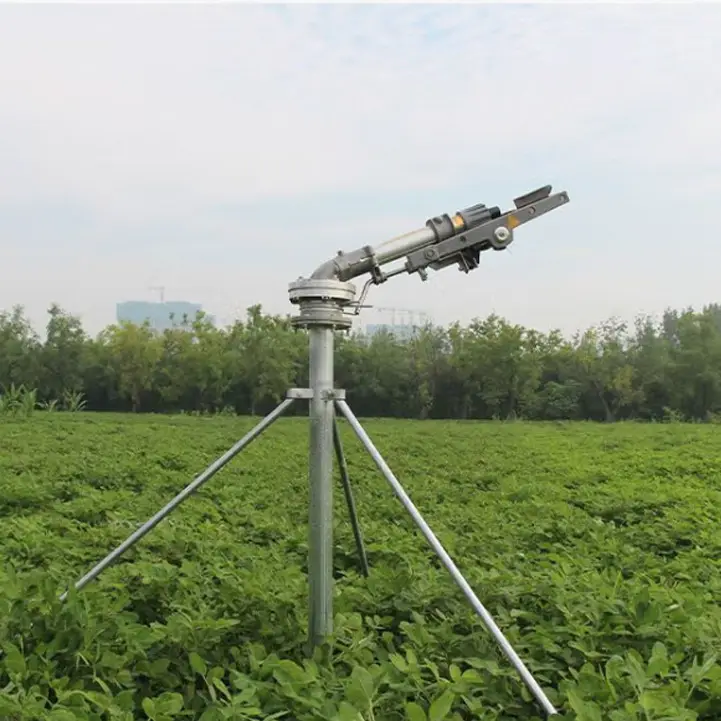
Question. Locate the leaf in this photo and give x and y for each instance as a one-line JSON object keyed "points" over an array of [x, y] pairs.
{"points": [[159, 667], [60, 714], [360, 690], [14, 660], [218, 683], [169, 703], [636, 669], [292, 670], [365, 679], [112, 660], [399, 662], [149, 707], [698, 673], [441, 707], [8, 706], [197, 664], [658, 664], [656, 702], [585, 710], [470, 675], [414, 712], [212, 714], [346, 712], [125, 700], [574, 700]]}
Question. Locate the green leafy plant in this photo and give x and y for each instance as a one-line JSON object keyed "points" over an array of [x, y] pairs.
{"points": [[594, 547], [74, 401], [18, 401]]}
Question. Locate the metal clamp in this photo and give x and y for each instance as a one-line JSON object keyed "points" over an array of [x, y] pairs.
{"points": [[306, 394], [333, 394], [300, 394]]}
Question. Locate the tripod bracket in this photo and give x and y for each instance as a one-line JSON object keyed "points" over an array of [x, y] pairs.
{"points": [[307, 394]]}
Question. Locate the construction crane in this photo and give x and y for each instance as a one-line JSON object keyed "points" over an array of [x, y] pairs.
{"points": [[161, 290], [411, 313]]}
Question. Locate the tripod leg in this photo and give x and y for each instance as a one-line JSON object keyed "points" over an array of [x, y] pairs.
{"points": [[447, 561], [206, 475], [345, 480]]}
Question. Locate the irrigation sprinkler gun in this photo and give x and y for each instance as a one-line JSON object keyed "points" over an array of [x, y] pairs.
{"points": [[327, 302]]}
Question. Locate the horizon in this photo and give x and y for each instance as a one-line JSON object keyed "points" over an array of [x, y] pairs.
{"points": [[189, 147]]}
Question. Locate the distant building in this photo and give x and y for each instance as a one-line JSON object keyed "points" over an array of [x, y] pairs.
{"points": [[160, 316]]}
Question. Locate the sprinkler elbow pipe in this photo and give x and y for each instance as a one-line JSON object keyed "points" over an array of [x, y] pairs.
{"points": [[346, 266], [329, 270]]}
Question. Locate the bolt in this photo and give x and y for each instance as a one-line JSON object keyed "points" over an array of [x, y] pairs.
{"points": [[502, 234]]}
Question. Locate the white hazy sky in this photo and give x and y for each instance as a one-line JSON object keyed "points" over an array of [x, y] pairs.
{"points": [[223, 150]]}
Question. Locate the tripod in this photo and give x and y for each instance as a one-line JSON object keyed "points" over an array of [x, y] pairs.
{"points": [[323, 300]]}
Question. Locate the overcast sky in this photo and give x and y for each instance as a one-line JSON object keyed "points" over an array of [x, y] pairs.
{"points": [[223, 150]]}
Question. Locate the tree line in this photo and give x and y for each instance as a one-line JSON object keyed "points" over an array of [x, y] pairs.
{"points": [[490, 369]]}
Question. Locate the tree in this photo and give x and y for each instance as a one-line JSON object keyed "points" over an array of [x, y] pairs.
{"points": [[19, 350], [133, 352], [63, 355], [262, 357], [695, 370], [489, 368], [428, 366], [602, 359]]}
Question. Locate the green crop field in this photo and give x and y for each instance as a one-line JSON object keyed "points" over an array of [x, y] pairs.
{"points": [[596, 548]]}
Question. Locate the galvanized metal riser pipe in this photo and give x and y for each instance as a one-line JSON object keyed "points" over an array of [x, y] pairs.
{"points": [[321, 303], [320, 518]]}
